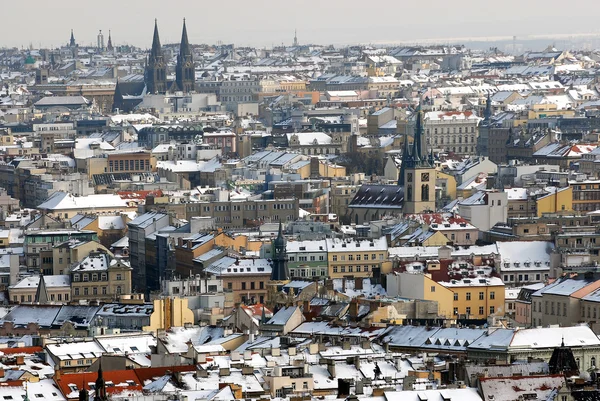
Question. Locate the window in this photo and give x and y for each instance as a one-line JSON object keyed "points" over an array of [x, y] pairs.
{"points": [[456, 311], [468, 310], [433, 289], [468, 296], [492, 295], [243, 285], [492, 310], [119, 277], [76, 290], [481, 311], [456, 296], [481, 296]]}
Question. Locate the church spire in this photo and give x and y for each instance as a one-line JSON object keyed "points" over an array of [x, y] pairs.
{"points": [[487, 114], [109, 45], [156, 51], [417, 150], [185, 73], [100, 388], [41, 294], [184, 47], [156, 68], [279, 270], [72, 40]]}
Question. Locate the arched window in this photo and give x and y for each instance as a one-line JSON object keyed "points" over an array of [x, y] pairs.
{"points": [[425, 192], [409, 193], [593, 362]]}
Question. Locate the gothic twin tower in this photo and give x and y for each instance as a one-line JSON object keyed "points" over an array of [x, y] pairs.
{"points": [[155, 75]]}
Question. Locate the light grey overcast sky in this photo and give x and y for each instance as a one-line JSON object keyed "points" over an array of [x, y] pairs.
{"points": [[272, 22]]}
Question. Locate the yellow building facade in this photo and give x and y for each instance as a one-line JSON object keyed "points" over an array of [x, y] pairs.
{"points": [[475, 300], [349, 258], [556, 202], [170, 312]]}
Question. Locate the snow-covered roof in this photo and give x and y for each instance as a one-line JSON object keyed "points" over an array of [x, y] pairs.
{"points": [[66, 201]]}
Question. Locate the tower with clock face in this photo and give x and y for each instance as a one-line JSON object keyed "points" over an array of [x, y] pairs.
{"points": [[418, 175]]}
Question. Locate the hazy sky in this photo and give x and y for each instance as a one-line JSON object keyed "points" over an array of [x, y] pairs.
{"points": [[271, 22]]}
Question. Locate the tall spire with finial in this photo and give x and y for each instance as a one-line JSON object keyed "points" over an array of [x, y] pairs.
{"points": [[100, 387], [185, 73], [487, 114], [156, 52], [72, 40], [418, 138], [295, 37], [279, 270], [109, 45], [156, 68]]}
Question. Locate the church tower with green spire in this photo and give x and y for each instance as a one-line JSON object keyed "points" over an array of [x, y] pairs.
{"points": [[185, 73]]}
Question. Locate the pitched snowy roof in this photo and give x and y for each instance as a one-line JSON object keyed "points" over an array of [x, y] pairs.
{"points": [[66, 201]]}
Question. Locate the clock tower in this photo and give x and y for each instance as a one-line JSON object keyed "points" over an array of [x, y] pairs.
{"points": [[417, 173]]}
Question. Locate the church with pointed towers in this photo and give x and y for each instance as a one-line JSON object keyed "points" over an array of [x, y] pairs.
{"points": [[415, 190], [417, 172], [156, 71]]}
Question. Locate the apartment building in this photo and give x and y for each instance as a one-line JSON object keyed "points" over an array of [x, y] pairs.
{"points": [[477, 298], [100, 277], [307, 259], [37, 241], [354, 258], [561, 302], [452, 131], [586, 195], [232, 214], [138, 229], [246, 278]]}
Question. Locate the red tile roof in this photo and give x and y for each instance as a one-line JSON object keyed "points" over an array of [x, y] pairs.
{"points": [[123, 381], [20, 350]]}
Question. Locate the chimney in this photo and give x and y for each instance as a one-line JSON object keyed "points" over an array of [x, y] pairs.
{"points": [[20, 360], [306, 306], [353, 309], [57, 373], [358, 283], [331, 367]]}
